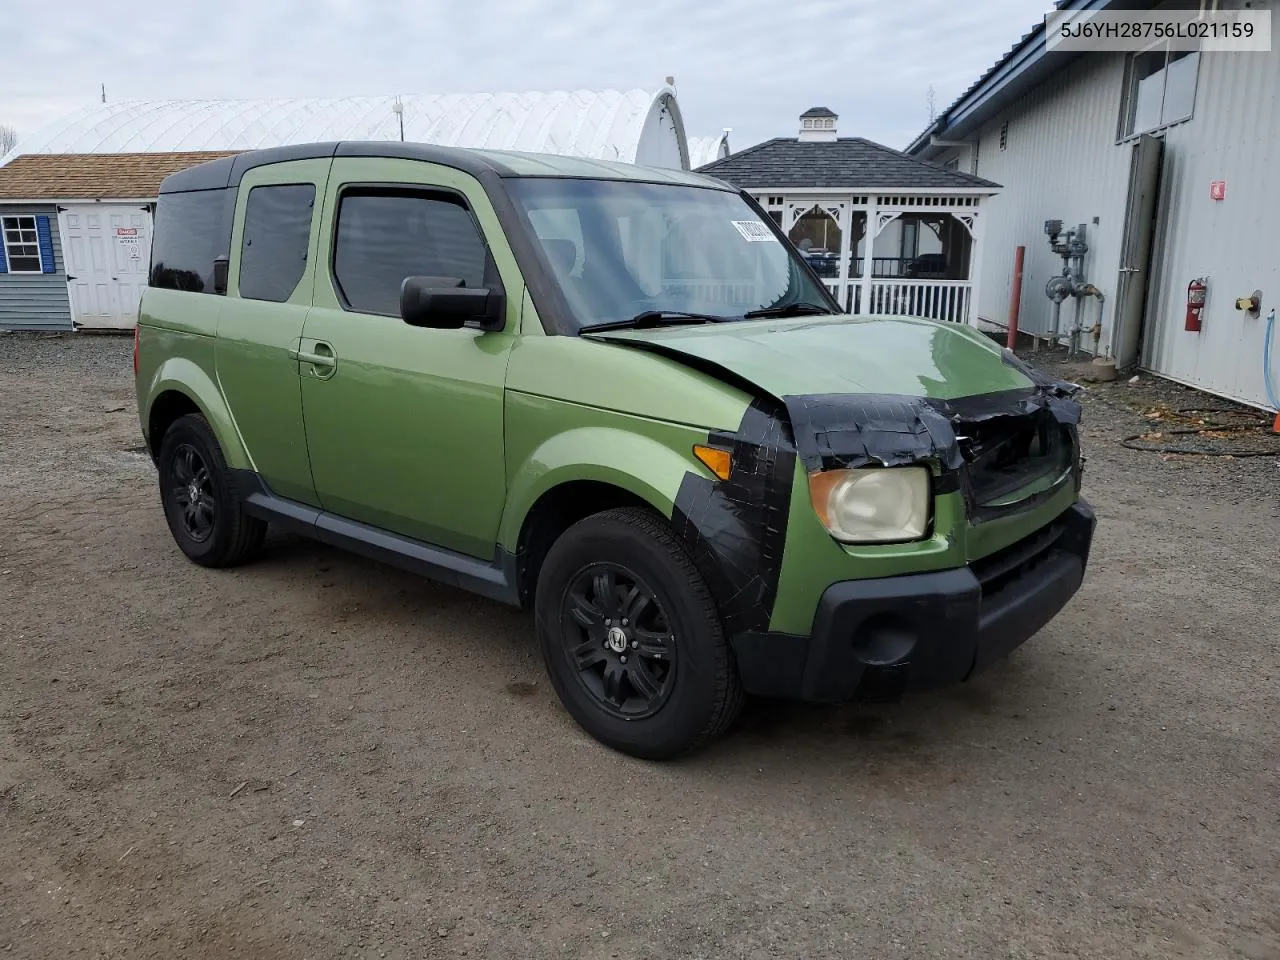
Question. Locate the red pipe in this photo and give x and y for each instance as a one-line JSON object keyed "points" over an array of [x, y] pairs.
{"points": [[1015, 299]]}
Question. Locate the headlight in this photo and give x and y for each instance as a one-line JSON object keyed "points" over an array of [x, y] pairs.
{"points": [[872, 504]]}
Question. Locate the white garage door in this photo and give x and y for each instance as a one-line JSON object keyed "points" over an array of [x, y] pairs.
{"points": [[107, 248]]}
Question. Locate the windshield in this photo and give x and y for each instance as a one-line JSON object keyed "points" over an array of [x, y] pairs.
{"points": [[619, 249]]}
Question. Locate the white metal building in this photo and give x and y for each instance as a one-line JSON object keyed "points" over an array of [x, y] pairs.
{"points": [[1168, 160], [76, 198]]}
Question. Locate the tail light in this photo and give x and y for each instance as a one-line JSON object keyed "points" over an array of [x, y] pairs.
{"points": [[135, 350]]}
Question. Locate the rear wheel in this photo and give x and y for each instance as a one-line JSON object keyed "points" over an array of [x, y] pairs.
{"points": [[201, 504], [632, 639]]}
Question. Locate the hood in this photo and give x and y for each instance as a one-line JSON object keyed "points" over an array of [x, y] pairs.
{"points": [[843, 354]]}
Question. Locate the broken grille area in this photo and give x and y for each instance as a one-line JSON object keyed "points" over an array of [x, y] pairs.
{"points": [[1004, 454]]}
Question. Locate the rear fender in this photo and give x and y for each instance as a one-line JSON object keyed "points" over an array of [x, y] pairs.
{"points": [[181, 375]]}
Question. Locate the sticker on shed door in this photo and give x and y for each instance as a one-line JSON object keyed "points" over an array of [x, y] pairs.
{"points": [[127, 241], [108, 252]]}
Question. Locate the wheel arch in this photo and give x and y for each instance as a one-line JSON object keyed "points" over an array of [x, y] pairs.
{"points": [[180, 387], [555, 512], [575, 474]]}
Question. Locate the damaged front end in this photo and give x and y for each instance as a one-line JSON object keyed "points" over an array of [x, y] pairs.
{"points": [[874, 636], [894, 581], [1005, 452]]}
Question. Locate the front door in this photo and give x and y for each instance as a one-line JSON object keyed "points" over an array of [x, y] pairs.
{"points": [[108, 252], [405, 424], [1135, 251]]}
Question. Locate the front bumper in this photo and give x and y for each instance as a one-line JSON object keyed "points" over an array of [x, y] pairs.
{"points": [[874, 639]]}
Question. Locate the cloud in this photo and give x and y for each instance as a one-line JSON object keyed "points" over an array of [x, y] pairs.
{"points": [[753, 65]]}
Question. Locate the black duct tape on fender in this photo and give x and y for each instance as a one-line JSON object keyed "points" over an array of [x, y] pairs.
{"points": [[1059, 395], [736, 529]]}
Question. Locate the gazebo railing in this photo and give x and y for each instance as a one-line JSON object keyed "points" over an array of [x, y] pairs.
{"points": [[936, 299], [948, 300]]}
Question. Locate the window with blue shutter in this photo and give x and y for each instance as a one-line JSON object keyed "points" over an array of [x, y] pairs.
{"points": [[27, 249], [45, 236]]}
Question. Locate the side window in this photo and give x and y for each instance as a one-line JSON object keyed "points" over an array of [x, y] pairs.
{"points": [[1160, 89], [273, 251], [191, 231], [383, 237]]}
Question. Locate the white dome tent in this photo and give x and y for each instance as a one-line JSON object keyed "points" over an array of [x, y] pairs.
{"points": [[634, 126], [704, 150]]}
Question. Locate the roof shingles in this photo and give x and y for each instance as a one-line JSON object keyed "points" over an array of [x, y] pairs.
{"points": [[93, 176], [849, 163]]}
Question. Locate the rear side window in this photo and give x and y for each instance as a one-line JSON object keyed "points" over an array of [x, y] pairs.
{"points": [[384, 237], [191, 231], [273, 251]]}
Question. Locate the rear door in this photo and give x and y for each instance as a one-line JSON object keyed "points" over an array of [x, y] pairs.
{"points": [[269, 288], [405, 424]]}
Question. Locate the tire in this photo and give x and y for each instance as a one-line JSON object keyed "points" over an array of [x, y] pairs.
{"points": [[216, 531], [660, 681]]}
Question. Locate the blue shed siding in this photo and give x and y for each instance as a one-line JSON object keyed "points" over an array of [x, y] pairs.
{"points": [[36, 301]]}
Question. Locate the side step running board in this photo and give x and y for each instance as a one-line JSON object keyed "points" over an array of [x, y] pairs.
{"points": [[495, 580]]}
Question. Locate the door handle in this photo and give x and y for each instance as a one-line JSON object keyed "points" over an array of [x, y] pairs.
{"points": [[315, 359], [319, 356]]}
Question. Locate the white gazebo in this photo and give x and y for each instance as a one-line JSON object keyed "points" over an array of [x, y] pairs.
{"points": [[887, 233]]}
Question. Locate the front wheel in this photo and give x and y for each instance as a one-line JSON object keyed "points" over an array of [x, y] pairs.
{"points": [[632, 639], [201, 504]]}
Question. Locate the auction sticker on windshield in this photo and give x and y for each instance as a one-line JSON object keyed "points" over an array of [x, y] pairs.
{"points": [[755, 231]]}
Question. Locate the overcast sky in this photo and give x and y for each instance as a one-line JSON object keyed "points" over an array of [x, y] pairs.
{"points": [[752, 65]]}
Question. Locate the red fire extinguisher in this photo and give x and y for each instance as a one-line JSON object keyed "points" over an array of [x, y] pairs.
{"points": [[1196, 291]]}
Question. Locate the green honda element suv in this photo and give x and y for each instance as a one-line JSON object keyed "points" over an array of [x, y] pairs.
{"points": [[617, 396]]}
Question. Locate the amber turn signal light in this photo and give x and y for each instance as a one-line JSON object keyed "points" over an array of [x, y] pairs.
{"points": [[717, 461]]}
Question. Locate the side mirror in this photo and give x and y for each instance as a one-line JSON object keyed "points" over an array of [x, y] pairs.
{"points": [[446, 303], [220, 267]]}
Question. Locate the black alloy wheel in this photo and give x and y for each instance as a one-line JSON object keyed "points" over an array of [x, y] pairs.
{"points": [[620, 639], [631, 636], [204, 509], [192, 489]]}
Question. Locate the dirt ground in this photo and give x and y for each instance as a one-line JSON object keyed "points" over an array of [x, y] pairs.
{"points": [[318, 757]]}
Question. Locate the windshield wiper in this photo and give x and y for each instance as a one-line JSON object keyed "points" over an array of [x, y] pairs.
{"points": [[788, 310], [654, 318]]}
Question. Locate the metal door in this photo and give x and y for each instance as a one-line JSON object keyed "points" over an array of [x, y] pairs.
{"points": [[108, 252], [1135, 250]]}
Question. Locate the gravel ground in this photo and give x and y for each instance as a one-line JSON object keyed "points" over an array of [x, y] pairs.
{"points": [[317, 756]]}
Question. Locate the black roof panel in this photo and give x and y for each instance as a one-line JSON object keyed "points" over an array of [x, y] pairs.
{"points": [[845, 163]]}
